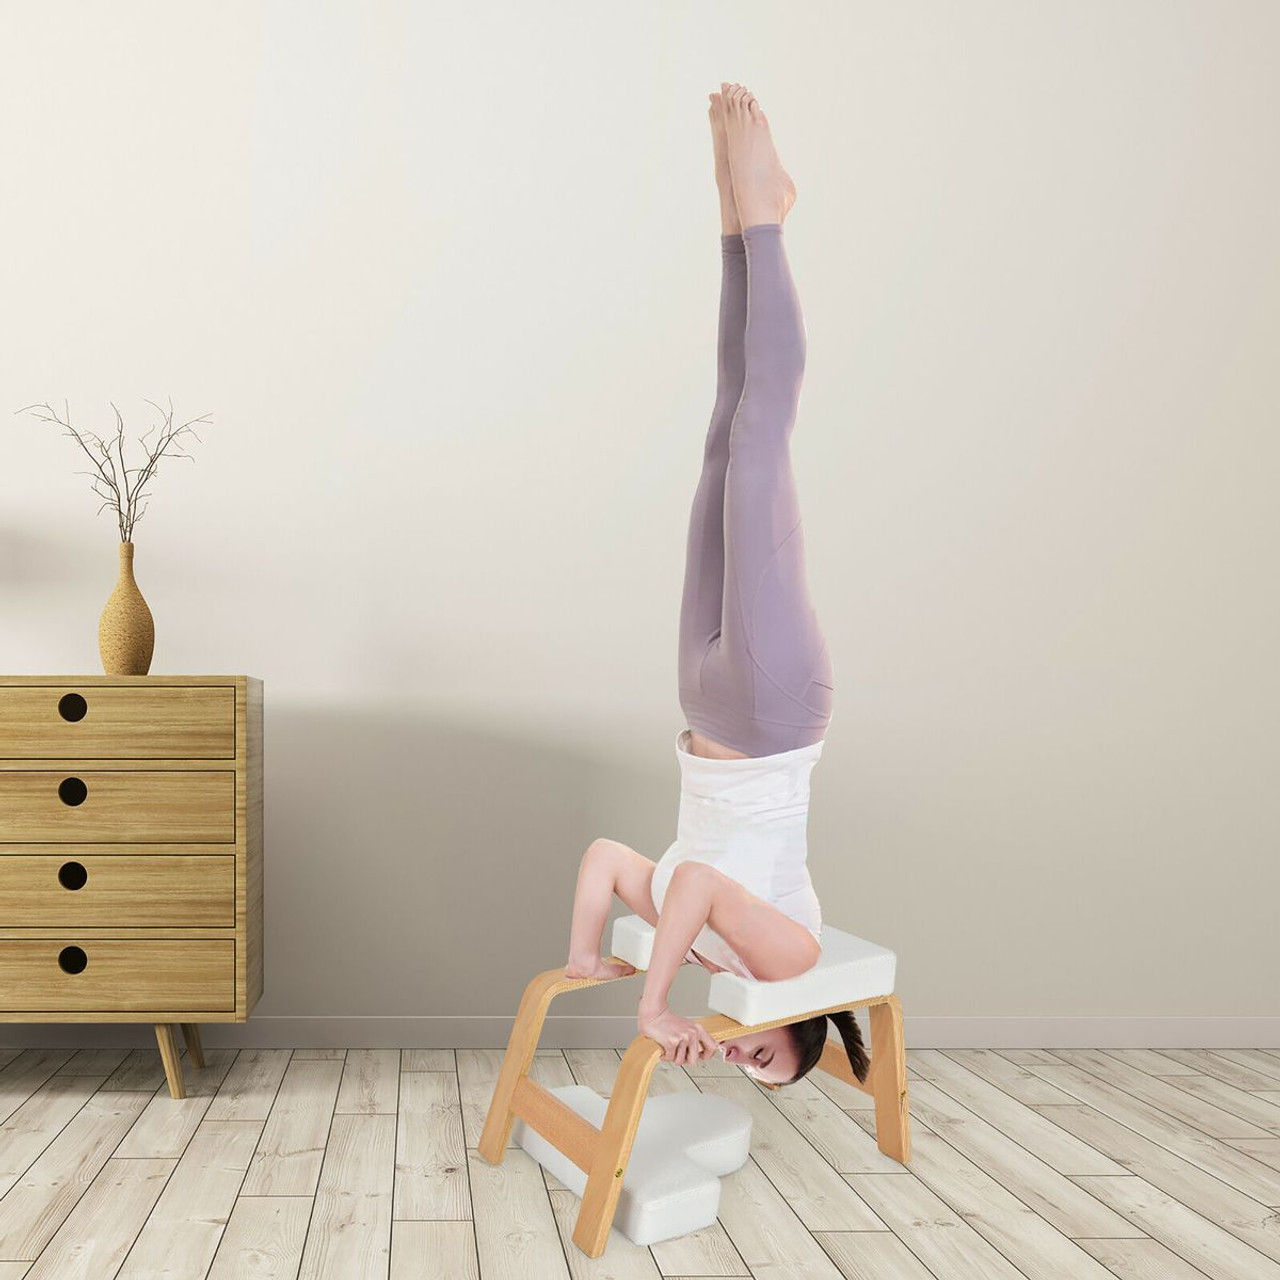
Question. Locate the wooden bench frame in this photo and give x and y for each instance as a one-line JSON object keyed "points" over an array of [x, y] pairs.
{"points": [[602, 1153]]}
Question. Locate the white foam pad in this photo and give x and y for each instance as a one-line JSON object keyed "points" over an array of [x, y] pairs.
{"points": [[685, 1143], [849, 969]]}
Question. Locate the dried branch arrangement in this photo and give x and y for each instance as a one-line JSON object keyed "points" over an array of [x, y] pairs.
{"points": [[119, 493]]}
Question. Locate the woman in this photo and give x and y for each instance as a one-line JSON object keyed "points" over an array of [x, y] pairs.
{"points": [[755, 676]]}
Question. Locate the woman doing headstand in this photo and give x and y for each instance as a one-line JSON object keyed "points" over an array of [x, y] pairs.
{"points": [[755, 674]]}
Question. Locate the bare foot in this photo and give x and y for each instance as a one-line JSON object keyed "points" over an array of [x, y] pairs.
{"points": [[597, 967], [729, 223], [762, 188]]}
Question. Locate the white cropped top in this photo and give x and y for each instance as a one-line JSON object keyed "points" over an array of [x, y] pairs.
{"points": [[748, 817]]}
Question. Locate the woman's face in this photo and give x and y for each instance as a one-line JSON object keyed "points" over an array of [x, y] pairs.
{"points": [[767, 1055]]}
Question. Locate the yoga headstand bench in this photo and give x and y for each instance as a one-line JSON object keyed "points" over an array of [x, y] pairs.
{"points": [[852, 974]]}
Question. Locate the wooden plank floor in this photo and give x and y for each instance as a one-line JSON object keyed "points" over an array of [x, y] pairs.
{"points": [[356, 1164]]}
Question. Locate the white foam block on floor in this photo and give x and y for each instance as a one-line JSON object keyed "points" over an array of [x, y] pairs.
{"points": [[850, 968], [685, 1144]]}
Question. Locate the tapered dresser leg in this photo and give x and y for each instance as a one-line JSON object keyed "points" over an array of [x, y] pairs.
{"points": [[191, 1034], [171, 1058]]}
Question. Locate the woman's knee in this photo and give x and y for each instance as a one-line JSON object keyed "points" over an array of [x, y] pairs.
{"points": [[695, 872], [603, 852]]}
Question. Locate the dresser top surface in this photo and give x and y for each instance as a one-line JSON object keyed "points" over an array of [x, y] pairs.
{"points": [[153, 680]]}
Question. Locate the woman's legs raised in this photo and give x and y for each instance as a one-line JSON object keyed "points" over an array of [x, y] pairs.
{"points": [[760, 679], [702, 602]]}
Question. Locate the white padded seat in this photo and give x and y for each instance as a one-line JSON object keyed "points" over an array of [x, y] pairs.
{"points": [[685, 1143], [850, 968]]}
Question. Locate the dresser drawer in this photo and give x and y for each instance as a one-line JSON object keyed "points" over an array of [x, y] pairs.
{"points": [[95, 722], [183, 890], [116, 974], [102, 805]]}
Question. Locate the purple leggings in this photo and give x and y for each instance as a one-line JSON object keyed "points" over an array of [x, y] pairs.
{"points": [[754, 669]]}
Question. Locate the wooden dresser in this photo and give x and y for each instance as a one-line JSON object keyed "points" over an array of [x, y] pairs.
{"points": [[131, 852]]}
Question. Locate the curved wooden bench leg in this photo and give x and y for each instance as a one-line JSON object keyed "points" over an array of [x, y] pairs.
{"points": [[170, 1056], [889, 1078], [195, 1051], [613, 1149], [525, 1032]]}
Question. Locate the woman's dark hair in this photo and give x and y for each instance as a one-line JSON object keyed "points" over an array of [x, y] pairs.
{"points": [[810, 1038]]}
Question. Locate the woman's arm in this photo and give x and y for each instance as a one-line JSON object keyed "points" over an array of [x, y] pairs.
{"points": [[685, 909], [772, 945]]}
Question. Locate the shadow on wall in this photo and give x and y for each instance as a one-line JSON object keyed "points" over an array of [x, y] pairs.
{"points": [[38, 564], [415, 867]]}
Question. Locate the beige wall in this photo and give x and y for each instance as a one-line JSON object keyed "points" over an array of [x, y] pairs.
{"points": [[446, 279]]}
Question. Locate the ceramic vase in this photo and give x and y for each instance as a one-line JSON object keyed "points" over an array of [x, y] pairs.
{"points": [[126, 632]]}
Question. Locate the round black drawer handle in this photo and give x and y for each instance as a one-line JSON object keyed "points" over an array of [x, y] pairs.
{"points": [[72, 875], [72, 791], [71, 706], [72, 960]]}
